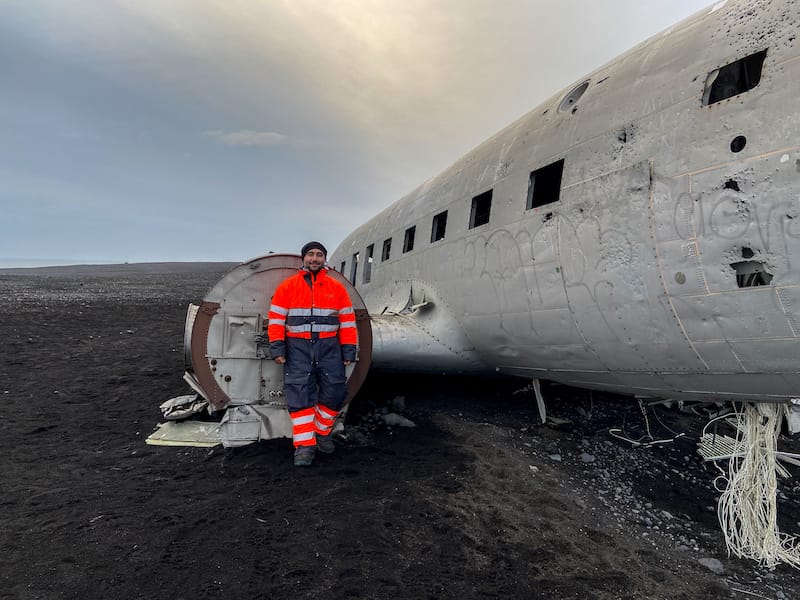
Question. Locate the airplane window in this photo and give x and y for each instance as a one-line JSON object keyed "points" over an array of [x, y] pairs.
{"points": [[354, 269], [438, 227], [481, 207], [368, 264], [341, 270], [544, 185], [734, 79], [408, 242], [387, 249]]}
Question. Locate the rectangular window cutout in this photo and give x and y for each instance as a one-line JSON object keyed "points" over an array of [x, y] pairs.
{"points": [[368, 264], [387, 249], [439, 226], [481, 207], [341, 270], [734, 79], [408, 242], [544, 185], [354, 269]]}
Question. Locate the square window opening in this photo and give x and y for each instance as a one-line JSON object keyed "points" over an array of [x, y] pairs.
{"points": [[736, 78], [544, 185], [481, 208], [354, 269], [387, 249], [439, 226], [408, 241], [367, 274]]}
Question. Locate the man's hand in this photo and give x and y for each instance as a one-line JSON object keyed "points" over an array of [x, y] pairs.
{"points": [[280, 360], [347, 363]]}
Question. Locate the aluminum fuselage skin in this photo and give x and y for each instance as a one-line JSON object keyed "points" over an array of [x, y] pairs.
{"points": [[628, 282]]}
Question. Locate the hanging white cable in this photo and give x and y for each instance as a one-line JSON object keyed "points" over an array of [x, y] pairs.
{"points": [[747, 508]]}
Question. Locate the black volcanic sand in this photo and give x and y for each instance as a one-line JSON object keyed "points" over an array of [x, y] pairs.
{"points": [[471, 503]]}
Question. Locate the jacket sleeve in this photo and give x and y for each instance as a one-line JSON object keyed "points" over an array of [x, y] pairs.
{"points": [[276, 328], [348, 334]]}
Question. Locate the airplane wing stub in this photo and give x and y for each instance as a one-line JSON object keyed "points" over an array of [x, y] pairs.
{"points": [[422, 334], [404, 343]]}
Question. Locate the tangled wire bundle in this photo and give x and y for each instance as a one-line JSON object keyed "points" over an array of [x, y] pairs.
{"points": [[747, 508]]}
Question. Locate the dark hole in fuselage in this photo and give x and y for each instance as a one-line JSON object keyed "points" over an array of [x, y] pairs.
{"points": [[751, 273], [547, 217], [731, 184], [738, 143], [747, 252]]}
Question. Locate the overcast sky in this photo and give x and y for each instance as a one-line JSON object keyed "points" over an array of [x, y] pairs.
{"points": [[165, 130]]}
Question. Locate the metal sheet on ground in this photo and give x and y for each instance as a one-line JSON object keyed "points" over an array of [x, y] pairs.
{"points": [[186, 433]]}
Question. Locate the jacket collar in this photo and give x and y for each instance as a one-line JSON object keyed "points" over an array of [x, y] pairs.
{"points": [[321, 274]]}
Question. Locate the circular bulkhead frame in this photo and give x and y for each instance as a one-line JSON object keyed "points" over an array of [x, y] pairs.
{"points": [[225, 340]]}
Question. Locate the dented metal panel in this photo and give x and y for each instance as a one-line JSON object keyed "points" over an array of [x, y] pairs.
{"points": [[736, 315]]}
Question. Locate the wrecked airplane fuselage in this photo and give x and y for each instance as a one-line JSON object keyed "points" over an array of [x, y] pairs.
{"points": [[637, 233]]}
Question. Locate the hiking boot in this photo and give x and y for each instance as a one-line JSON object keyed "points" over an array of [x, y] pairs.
{"points": [[303, 456], [325, 444]]}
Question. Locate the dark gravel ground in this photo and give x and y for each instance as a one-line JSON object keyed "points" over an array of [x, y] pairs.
{"points": [[478, 500]]}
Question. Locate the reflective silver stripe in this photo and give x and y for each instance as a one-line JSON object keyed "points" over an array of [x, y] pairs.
{"points": [[302, 437], [321, 427], [277, 321], [278, 309], [347, 324], [326, 413], [310, 328], [346, 311], [299, 312], [298, 328], [303, 420]]}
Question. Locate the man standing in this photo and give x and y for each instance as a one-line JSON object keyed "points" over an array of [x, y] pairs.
{"points": [[312, 331]]}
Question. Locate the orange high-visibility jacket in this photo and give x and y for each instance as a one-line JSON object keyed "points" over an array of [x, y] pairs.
{"points": [[307, 307]]}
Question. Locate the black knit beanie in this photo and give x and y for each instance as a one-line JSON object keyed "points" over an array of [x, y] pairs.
{"points": [[312, 246]]}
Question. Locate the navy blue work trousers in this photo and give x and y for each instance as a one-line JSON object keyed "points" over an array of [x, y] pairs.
{"points": [[314, 373]]}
